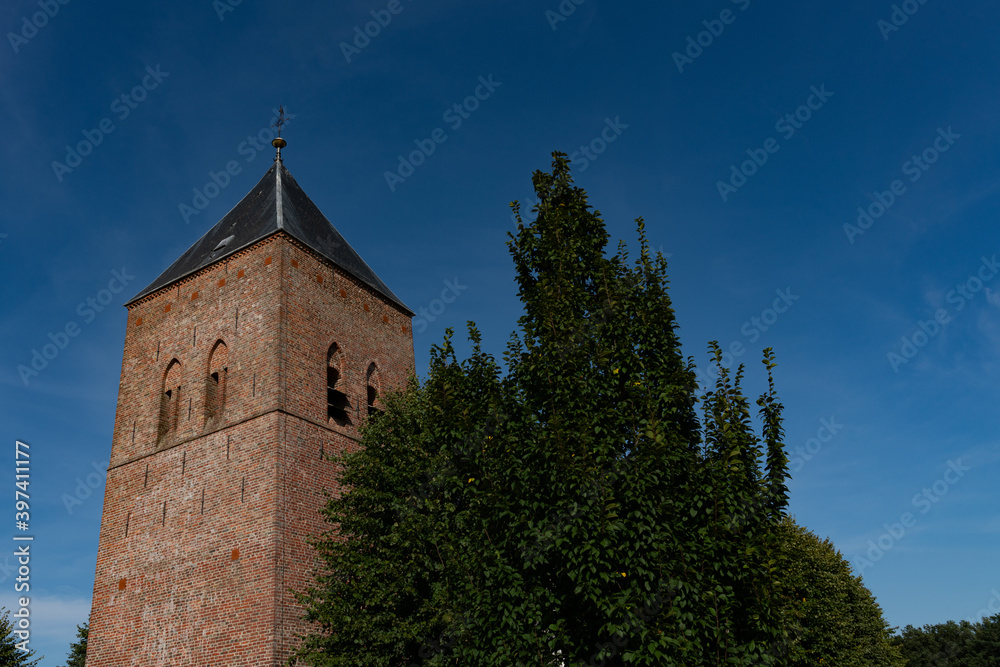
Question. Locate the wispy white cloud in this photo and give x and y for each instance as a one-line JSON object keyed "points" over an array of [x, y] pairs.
{"points": [[993, 297]]}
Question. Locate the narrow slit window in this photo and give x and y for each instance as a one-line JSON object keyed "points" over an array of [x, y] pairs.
{"points": [[169, 401], [215, 383]]}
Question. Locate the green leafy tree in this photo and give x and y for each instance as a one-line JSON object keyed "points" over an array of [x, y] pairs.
{"points": [[78, 650], [574, 510], [10, 654], [833, 619]]}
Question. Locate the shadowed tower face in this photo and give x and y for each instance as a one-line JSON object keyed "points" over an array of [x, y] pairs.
{"points": [[252, 357]]}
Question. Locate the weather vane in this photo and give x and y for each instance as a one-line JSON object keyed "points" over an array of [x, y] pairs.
{"points": [[279, 143], [281, 120]]}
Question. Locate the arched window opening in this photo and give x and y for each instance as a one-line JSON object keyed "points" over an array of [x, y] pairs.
{"points": [[372, 384], [337, 403], [170, 399], [215, 383]]}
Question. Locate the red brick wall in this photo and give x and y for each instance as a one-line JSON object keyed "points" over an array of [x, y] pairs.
{"points": [[217, 510], [337, 310]]}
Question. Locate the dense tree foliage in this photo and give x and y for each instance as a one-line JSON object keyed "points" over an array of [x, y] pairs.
{"points": [[10, 654], [573, 509], [832, 618], [952, 644], [78, 650]]}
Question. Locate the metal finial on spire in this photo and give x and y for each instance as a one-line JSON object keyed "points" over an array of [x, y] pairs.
{"points": [[279, 143]]}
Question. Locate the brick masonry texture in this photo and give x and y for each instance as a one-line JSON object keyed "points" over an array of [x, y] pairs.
{"points": [[203, 535]]}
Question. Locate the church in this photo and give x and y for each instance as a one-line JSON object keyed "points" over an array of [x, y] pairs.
{"points": [[249, 360]]}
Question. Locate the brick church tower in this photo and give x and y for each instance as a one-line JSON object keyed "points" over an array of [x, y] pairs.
{"points": [[252, 357]]}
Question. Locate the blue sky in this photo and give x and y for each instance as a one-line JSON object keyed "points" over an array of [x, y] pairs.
{"points": [[823, 177]]}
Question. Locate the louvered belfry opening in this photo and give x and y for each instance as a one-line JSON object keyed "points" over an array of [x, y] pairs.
{"points": [[372, 384], [337, 402]]}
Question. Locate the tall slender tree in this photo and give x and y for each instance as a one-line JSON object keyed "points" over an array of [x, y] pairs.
{"points": [[572, 510], [78, 650]]}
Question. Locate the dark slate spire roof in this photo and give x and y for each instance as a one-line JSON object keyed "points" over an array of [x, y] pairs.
{"points": [[276, 203]]}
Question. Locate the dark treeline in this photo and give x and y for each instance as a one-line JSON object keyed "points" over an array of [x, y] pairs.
{"points": [[952, 644]]}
